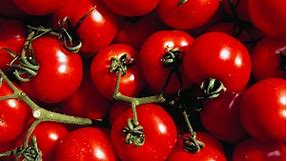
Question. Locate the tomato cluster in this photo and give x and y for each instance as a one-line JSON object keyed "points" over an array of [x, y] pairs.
{"points": [[150, 80]]}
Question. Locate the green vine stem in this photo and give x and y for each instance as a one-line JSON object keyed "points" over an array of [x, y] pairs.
{"points": [[181, 2]]}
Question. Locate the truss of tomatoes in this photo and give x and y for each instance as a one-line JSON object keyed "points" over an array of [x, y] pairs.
{"points": [[223, 66]]}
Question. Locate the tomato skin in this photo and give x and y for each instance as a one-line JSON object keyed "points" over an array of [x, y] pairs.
{"points": [[131, 82], [130, 7], [252, 150], [266, 98], [86, 144], [211, 151], [189, 15], [263, 51], [9, 9], [43, 7], [160, 134], [269, 17], [153, 50], [12, 36], [49, 135], [14, 116], [222, 113], [241, 10], [116, 110], [59, 77], [219, 56]]}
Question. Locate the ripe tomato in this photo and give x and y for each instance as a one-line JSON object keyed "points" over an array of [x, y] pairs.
{"points": [[43, 7], [222, 113], [153, 51], [96, 30], [14, 114], [130, 7], [252, 150], [267, 59], [159, 130], [211, 151], [190, 15], [219, 56], [49, 135], [131, 82], [263, 110], [241, 10], [269, 16], [12, 36], [60, 72], [9, 9], [116, 110], [86, 144]]}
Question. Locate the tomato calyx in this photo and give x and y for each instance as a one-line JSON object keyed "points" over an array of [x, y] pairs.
{"points": [[211, 88], [134, 133], [282, 52], [120, 64]]}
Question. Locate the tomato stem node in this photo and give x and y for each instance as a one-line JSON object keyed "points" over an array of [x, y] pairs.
{"points": [[134, 133]]}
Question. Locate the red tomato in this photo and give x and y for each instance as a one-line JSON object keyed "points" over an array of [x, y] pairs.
{"points": [[9, 9], [190, 15], [241, 10], [251, 150], [86, 144], [222, 113], [159, 130], [49, 135], [43, 7], [87, 102], [263, 110], [60, 72], [212, 151], [96, 30], [105, 81], [130, 7], [153, 51], [116, 110], [269, 16], [12, 36], [219, 56], [14, 114], [266, 59]]}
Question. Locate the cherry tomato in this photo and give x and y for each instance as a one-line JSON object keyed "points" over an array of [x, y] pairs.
{"points": [[241, 10], [211, 151], [189, 15], [159, 130], [43, 7], [130, 7], [263, 110], [60, 72], [267, 59], [49, 135], [14, 114], [219, 56], [252, 150], [116, 110], [269, 16], [222, 113], [153, 51], [96, 30], [86, 144], [9, 9], [12, 36], [131, 82]]}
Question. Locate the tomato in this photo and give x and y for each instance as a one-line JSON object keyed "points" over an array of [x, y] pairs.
{"points": [[130, 7], [159, 130], [263, 110], [267, 59], [269, 16], [189, 15], [96, 30], [252, 150], [211, 151], [86, 144], [49, 135], [222, 113], [131, 82], [60, 72], [12, 36], [153, 51], [116, 110], [43, 7], [14, 116], [241, 10], [219, 56], [9, 9], [86, 102]]}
